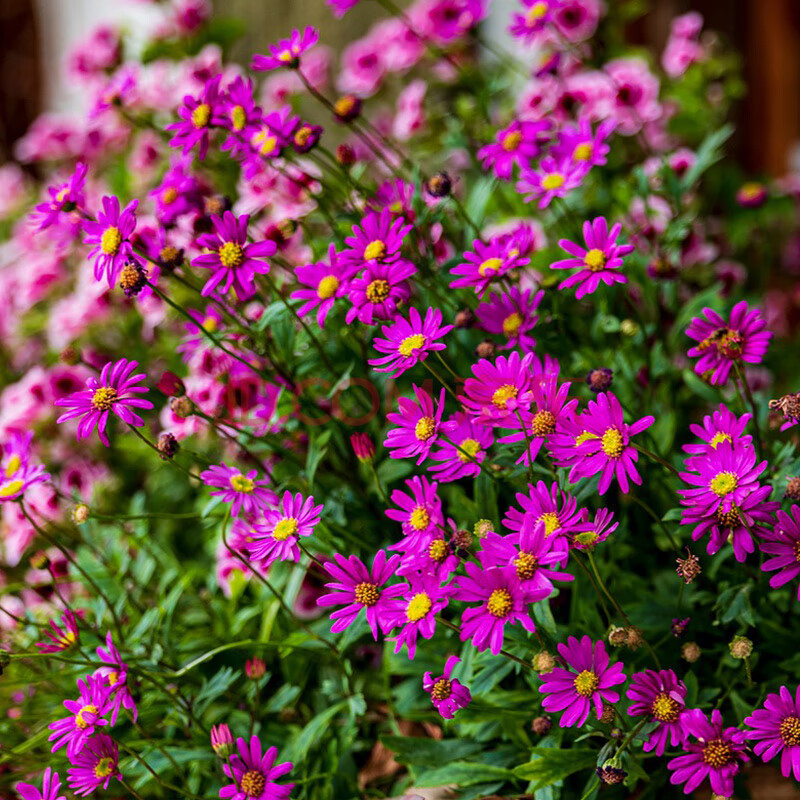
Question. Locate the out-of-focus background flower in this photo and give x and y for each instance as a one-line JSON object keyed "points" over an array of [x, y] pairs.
{"points": [[36, 37]]}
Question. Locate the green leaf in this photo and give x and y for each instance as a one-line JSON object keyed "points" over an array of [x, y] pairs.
{"points": [[421, 752], [554, 765], [315, 731], [463, 773]]}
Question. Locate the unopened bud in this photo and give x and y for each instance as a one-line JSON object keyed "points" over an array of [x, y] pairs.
{"points": [[255, 668], [345, 155], [465, 318], [543, 662], [80, 513], [541, 725], [221, 740], [486, 349], [363, 447], [182, 407], [171, 385], [439, 184], [691, 652], [167, 446], [611, 775]]}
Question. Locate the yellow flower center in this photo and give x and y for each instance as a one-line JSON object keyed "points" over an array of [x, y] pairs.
{"points": [[265, 142], [536, 12], [239, 483], [790, 731], [303, 135], [584, 437], [377, 291], [750, 191], [583, 152], [543, 423], [502, 395], [595, 260], [82, 723], [512, 323], [442, 689], [286, 57], [68, 638], [438, 550], [553, 181], [526, 566], [612, 443], [14, 463], [110, 241], [169, 195], [375, 250], [468, 449], [62, 194], [551, 522], [367, 594], [284, 529], [419, 519], [511, 141], [104, 767], [499, 603], [253, 783], [201, 115], [11, 488], [231, 255], [327, 287], [724, 483], [104, 398], [425, 428], [493, 264], [586, 683], [717, 753], [238, 118], [419, 605], [665, 709], [113, 678], [210, 324], [410, 344], [720, 437]]}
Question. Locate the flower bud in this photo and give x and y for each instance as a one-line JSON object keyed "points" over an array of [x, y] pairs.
{"points": [[439, 184], [679, 627], [740, 647], [482, 527], [599, 379], [363, 447], [70, 355], [465, 318], [221, 740], [167, 446], [171, 385], [486, 349], [182, 407], [347, 108], [541, 725], [255, 668], [611, 775], [544, 662], [691, 652], [80, 513], [793, 489], [345, 155]]}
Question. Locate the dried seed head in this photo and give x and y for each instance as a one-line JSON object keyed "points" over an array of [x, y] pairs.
{"points": [[740, 647], [691, 652], [544, 662], [439, 185], [182, 407], [167, 446], [80, 513], [486, 349], [689, 567]]}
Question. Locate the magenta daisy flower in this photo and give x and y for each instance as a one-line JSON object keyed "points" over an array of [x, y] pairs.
{"points": [[275, 538], [243, 491], [721, 426], [533, 20], [549, 180], [776, 729], [583, 147], [589, 533], [488, 261], [717, 755], [564, 445], [661, 697], [530, 551], [356, 587], [60, 638], [18, 471], [110, 236], [234, 262], [255, 774], [408, 341], [518, 144], [417, 426], [115, 673], [379, 238], [416, 609], [610, 452], [783, 544], [325, 282], [64, 198], [379, 290], [114, 392], [462, 448], [447, 693], [95, 765], [436, 557], [51, 786], [502, 600], [238, 112], [496, 392], [196, 119], [86, 715], [721, 344], [556, 510], [586, 685], [420, 513], [513, 315], [599, 261], [287, 52]]}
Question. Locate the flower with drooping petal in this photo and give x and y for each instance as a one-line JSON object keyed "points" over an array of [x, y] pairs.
{"points": [[64, 198], [600, 260], [287, 52], [783, 545], [519, 144], [110, 236], [254, 774], [513, 315], [51, 786], [496, 392], [233, 260], [550, 179], [743, 339], [487, 262], [115, 672], [776, 730], [447, 693], [417, 426], [717, 754], [114, 392], [416, 609], [275, 537], [661, 697], [61, 638], [610, 451], [18, 470], [86, 715], [95, 765], [587, 683], [461, 448], [323, 282], [196, 119], [355, 587], [721, 426], [243, 491], [589, 533]]}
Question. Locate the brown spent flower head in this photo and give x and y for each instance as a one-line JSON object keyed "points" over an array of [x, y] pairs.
{"points": [[80, 513], [691, 652], [793, 489], [608, 715], [486, 349], [167, 446], [635, 637], [740, 647], [440, 184], [544, 662], [688, 568], [617, 636], [611, 775], [182, 407], [465, 318], [541, 725], [70, 356], [345, 155], [462, 540], [599, 379], [482, 527], [788, 405]]}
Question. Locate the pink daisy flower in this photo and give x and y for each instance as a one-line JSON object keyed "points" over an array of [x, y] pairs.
{"points": [[419, 512], [598, 262], [254, 774], [502, 600], [417, 426], [341, 7], [61, 638], [115, 673], [533, 20], [243, 491], [582, 146], [196, 119], [488, 262], [355, 587], [275, 538], [325, 282], [721, 344], [462, 448], [416, 609], [549, 180], [783, 545], [776, 729], [610, 452], [287, 52], [114, 392], [436, 557], [51, 786], [379, 238], [587, 684], [661, 697], [110, 236], [409, 341], [512, 315], [556, 510], [18, 471], [64, 198], [447, 693], [233, 260], [496, 392], [86, 715], [589, 533], [518, 144], [721, 426], [95, 765], [717, 755], [378, 292]]}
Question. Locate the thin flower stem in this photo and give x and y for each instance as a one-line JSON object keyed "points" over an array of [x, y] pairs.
{"points": [[751, 400], [170, 460], [658, 519], [166, 785], [378, 483], [131, 790], [447, 366], [528, 445], [657, 458], [596, 588], [441, 380], [504, 653]]}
